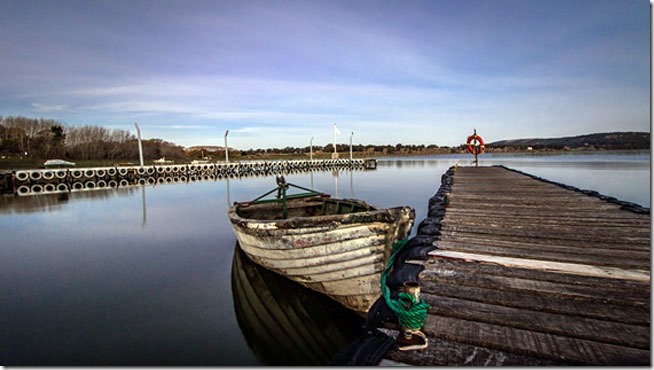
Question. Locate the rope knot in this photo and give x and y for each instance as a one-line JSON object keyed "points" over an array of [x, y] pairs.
{"points": [[410, 309]]}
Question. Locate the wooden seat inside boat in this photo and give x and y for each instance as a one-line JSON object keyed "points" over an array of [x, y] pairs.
{"points": [[339, 207]]}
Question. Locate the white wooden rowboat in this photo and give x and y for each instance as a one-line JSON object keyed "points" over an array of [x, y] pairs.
{"points": [[337, 247]]}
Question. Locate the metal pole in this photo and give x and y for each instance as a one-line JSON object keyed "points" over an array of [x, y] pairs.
{"points": [[476, 146], [138, 134], [311, 149], [334, 138], [352, 134], [226, 154]]}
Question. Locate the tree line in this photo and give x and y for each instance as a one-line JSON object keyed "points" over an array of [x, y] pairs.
{"points": [[47, 138], [356, 148]]}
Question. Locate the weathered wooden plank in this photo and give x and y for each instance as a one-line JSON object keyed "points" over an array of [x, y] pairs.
{"points": [[565, 268], [447, 267], [636, 260], [540, 242], [619, 224], [524, 197], [563, 214], [636, 315], [447, 353], [592, 256], [606, 227], [630, 335], [527, 207], [531, 287], [563, 246], [533, 343], [556, 234], [618, 217], [605, 231]]}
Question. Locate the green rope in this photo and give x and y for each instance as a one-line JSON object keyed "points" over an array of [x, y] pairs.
{"points": [[410, 314]]}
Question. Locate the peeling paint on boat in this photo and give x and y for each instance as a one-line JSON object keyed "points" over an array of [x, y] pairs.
{"points": [[340, 255]]}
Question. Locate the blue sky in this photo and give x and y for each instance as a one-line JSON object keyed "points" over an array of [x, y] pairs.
{"points": [[277, 73]]}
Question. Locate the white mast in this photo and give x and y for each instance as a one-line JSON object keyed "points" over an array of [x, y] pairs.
{"points": [[138, 133]]}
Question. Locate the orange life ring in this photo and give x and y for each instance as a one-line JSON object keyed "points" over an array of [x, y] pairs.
{"points": [[476, 144]]}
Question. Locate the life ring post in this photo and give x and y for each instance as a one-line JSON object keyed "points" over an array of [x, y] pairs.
{"points": [[476, 146]]}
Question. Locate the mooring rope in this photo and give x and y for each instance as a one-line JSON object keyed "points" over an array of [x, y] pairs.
{"points": [[411, 314]]}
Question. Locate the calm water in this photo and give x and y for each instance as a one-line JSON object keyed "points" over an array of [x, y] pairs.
{"points": [[150, 275]]}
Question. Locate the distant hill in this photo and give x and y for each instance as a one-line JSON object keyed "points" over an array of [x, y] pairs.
{"points": [[609, 141]]}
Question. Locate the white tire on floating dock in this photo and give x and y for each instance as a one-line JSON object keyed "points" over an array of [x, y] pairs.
{"points": [[61, 174], [37, 189], [35, 175], [22, 175], [23, 190], [48, 175]]}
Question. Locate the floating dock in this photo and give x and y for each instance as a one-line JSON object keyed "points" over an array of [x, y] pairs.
{"points": [[521, 271], [64, 180]]}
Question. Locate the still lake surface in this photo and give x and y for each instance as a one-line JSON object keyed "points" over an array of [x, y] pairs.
{"points": [[152, 275]]}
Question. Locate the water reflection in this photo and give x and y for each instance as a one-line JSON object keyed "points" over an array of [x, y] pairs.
{"points": [[335, 175], [54, 202], [285, 323], [229, 202], [145, 215]]}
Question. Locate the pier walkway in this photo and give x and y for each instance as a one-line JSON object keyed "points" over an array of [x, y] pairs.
{"points": [[522, 271]]}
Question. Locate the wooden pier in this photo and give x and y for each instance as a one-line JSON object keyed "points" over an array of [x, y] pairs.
{"points": [[521, 271]]}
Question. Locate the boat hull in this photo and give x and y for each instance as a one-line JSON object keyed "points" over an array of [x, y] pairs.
{"points": [[341, 256]]}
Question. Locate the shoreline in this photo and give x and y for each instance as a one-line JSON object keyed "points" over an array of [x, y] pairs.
{"points": [[15, 164]]}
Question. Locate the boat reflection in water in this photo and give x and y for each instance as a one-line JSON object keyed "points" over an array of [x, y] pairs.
{"points": [[285, 323]]}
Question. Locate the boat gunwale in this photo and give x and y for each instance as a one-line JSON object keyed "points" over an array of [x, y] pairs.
{"points": [[375, 214]]}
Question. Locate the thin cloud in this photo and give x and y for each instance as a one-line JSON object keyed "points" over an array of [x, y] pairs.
{"points": [[45, 108]]}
